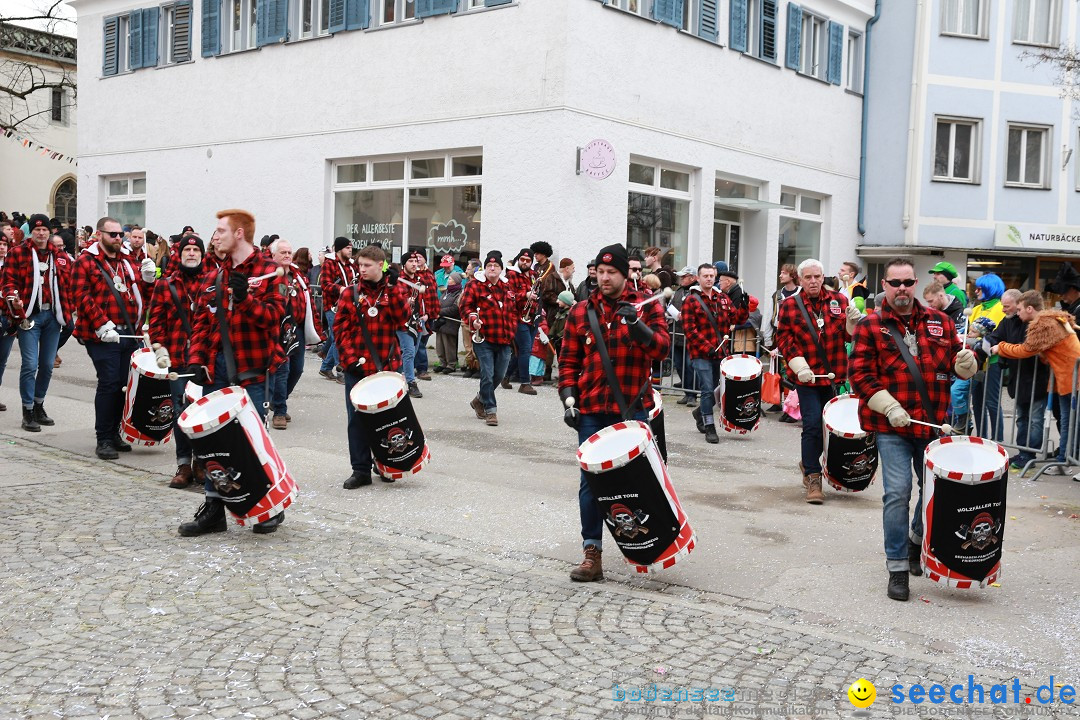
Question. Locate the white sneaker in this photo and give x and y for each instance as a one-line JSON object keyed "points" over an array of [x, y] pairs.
{"points": [[1060, 470]]}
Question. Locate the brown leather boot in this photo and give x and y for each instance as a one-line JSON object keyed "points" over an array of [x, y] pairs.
{"points": [[590, 569], [814, 494], [183, 477]]}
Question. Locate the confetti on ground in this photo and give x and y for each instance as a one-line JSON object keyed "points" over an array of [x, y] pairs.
{"points": [[924, 599]]}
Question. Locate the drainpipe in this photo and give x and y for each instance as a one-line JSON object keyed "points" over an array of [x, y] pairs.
{"points": [[865, 113], [914, 116]]}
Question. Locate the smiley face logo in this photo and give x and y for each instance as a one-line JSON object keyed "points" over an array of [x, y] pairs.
{"points": [[862, 693]]}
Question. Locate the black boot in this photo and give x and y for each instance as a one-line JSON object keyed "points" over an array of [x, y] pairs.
{"points": [[210, 518], [698, 420], [710, 434], [106, 451], [357, 480], [271, 525], [40, 415], [28, 422], [119, 444], [914, 556], [898, 585]]}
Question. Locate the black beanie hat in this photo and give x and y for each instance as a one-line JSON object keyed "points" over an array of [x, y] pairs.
{"points": [[616, 257], [341, 243], [494, 256], [190, 241], [543, 247], [523, 252]]}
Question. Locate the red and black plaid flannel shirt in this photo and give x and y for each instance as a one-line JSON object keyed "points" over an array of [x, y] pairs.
{"points": [[793, 338], [166, 326], [876, 364], [430, 297], [496, 304], [352, 313], [580, 364], [521, 283], [254, 324], [17, 274], [95, 302], [701, 340], [335, 277], [299, 297]]}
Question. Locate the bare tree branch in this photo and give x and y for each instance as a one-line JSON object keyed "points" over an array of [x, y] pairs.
{"points": [[1065, 61]]}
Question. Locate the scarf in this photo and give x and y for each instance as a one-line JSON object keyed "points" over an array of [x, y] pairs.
{"points": [[53, 285]]}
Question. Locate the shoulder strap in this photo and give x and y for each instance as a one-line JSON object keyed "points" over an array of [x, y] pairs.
{"points": [[626, 411], [362, 319], [223, 327], [180, 311], [708, 315], [815, 334], [913, 368], [116, 294]]}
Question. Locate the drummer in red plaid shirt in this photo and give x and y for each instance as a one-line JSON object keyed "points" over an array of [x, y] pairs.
{"points": [[338, 273], [889, 399], [634, 340], [829, 320], [379, 305], [251, 311], [490, 308]]}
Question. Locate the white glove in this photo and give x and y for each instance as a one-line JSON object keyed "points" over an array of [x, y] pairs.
{"points": [[884, 403], [149, 270], [853, 318], [161, 355], [107, 333], [965, 364], [802, 370], [674, 313]]}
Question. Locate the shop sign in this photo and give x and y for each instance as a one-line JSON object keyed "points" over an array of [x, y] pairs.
{"points": [[597, 159], [1029, 236], [449, 237], [384, 235]]}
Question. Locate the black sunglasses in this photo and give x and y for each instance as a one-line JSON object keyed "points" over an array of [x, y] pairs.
{"points": [[898, 283], [110, 233]]}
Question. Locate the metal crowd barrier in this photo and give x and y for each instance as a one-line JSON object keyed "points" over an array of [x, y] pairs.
{"points": [[676, 375]]}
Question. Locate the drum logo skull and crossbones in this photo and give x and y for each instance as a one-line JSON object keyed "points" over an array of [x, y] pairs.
{"points": [[224, 479], [397, 440], [981, 533], [162, 414], [625, 522]]}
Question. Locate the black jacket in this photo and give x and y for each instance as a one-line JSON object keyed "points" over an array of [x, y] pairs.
{"points": [[1019, 374], [956, 311]]}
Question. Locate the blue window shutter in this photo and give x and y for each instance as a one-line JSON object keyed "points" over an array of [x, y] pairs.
{"points": [[357, 14], [794, 36], [211, 28], [337, 15], [181, 33], [135, 42], [150, 36], [737, 41], [768, 30], [110, 47], [836, 52], [493, 3], [271, 21], [668, 12], [709, 20], [427, 8], [260, 22]]}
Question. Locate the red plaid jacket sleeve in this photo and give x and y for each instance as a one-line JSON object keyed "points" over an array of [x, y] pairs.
{"points": [[95, 302], [392, 304], [580, 365], [166, 326], [496, 306], [793, 338], [876, 364]]}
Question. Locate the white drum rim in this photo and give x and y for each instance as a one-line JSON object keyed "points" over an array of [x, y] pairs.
{"points": [[381, 404], [425, 458], [740, 356], [153, 371], [671, 561], [658, 404], [624, 458], [959, 476], [185, 422], [833, 430]]}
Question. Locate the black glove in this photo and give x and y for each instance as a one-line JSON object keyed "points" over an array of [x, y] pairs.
{"points": [[238, 283], [198, 374], [639, 332], [571, 416], [392, 275]]}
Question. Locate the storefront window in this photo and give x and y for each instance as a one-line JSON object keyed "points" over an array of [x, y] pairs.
{"points": [[126, 200], [370, 217], [800, 228], [659, 215], [1016, 272], [441, 219]]}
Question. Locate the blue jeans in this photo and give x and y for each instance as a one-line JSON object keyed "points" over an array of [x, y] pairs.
{"points": [[1065, 411], [285, 379], [182, 441], [420, 360], [359, 452], [812, 399], [706, 371], [493, 361], [38, 349], [899, 457], [988, 407], [331, 358], [681, 362], [592, 521], [111, 362], [1029, 427], [523, 341], [6, 341], [408, 343]]}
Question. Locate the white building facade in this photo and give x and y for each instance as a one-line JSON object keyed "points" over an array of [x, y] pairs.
{"points": [[970, 143], [729, 130]]}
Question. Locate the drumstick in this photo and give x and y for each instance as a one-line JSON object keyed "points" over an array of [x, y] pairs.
{"points": [[414, 286], [259, 278], [830, 376], [943, 427], [177, 376], [666, 295], [722, 342]]}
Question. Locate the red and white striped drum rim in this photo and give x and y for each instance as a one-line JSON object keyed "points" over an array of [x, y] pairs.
{"points": [[741, 358], [194, 420], [669, 561], [377, 392], [658, 405], [144, 363], [621, 459], [937, 572], [393, 474], [832, 404], [736, 429], [959, 474]]}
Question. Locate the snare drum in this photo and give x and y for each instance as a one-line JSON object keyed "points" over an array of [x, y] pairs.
{"points": [[739, 393], [149, 412], [656, 422], [964, 487], [631, 485], [230, 441], [850, 457], [393, 431]]}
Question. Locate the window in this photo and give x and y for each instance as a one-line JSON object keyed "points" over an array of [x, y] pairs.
{"points": [[240, 19], [126, 198], [658, 210], [313, 18], [956, 150], [800, 230], [815, 45], [176, 32], [427, 202], [394, 11], [59, 103], [1036, 22], [638, 7], [64, 201], [1027, 159], [130, 41], [855, 62], [473, 4], [967, 18], [753, 28]]}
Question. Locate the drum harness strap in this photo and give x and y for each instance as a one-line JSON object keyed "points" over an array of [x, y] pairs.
{"points": [[712, 320], [132, 329], [627, 411], [364, 330], [815, 333], [227, 348], [180, 312], [913, 368]]}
